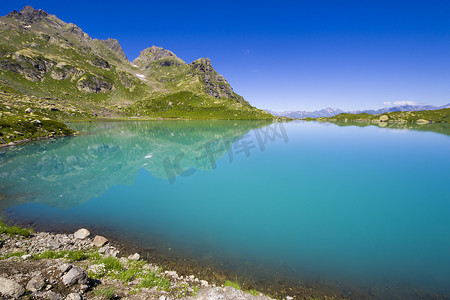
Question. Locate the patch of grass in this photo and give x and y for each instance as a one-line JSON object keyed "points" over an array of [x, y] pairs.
{"points": [[16, 254], [70, 255], [232, 284], [253, 292], [195, 288], [107, 293], [238, 287], [14, 230], [152, 279], [113, 268], [111, 264]]}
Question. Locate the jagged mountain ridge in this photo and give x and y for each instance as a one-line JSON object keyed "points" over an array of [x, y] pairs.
{"points": [[45, 57], [331, 112]]}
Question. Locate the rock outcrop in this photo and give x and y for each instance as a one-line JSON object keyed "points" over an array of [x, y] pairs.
{"points": [[154, 53], [10, 288], [115, 47], [215, 84], [91, 83], [28, 15], [32, 68]]}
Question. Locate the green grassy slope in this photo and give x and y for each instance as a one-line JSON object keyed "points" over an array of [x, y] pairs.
{"points": [[46, 62]]}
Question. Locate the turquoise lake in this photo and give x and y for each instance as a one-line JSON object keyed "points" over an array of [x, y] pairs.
{"points": [[361, 212]]}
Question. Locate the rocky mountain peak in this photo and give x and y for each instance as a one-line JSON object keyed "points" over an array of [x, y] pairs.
{"points": [[152, 54], [28, 15], [203, 65], [115, 47]]}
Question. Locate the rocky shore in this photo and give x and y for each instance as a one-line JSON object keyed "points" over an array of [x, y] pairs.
{"points": [[42, 265]]}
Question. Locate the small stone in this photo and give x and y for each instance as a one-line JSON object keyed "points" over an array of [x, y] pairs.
{"points": [[81, 234], [28, 110], [74, 276], [54, 245], [162, 298], [384, 118], [204, 282], [36, 283], [289, 298], [113, 253], [135, 256], [84, 287], [422, 121], [65, 267], [99, 241], [11, 288], [172, 274], [27, 256], [52, 296], [73, 296]]}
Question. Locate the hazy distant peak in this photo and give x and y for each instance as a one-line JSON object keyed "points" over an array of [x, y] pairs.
{"points": [[330, 111]]}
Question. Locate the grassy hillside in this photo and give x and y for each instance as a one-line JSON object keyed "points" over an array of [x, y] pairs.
{"points": [[418, 117], [59, 72]]}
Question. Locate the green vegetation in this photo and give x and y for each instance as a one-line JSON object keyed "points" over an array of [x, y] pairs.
{"points": [[73, 256], [188, 105], [232, 284], [105, 292], [126, 271], [151, 279], [14, 230], [12, 254], [62, 75], [419, 117]]}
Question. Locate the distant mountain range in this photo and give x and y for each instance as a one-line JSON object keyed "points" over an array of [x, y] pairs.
{"points": [[330, 112]]}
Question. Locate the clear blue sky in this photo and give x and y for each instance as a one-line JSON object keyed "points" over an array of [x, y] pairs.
{"points": [[288, 55]]}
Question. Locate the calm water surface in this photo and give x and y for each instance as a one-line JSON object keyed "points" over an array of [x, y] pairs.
{"points": [[348, 207]]}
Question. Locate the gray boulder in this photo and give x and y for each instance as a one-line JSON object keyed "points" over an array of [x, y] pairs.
{"points": [[11, 288], [49, 295], [99, 241], [65, 267], [81, 234], [91, 83], [74, 276], [36, 283], [73, 296]]}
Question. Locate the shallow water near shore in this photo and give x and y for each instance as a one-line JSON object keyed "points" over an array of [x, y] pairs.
{"points": [[358, 212]]}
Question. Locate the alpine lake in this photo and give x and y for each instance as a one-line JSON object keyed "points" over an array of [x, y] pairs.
{"points": [[296, 208]]}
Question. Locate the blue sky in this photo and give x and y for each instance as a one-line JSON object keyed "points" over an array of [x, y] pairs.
{"points": [[288, 55]]}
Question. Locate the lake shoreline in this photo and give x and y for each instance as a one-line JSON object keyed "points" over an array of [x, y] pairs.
{"points": [[56, 265], [217, 277], [26, 141], [215, 274]]}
